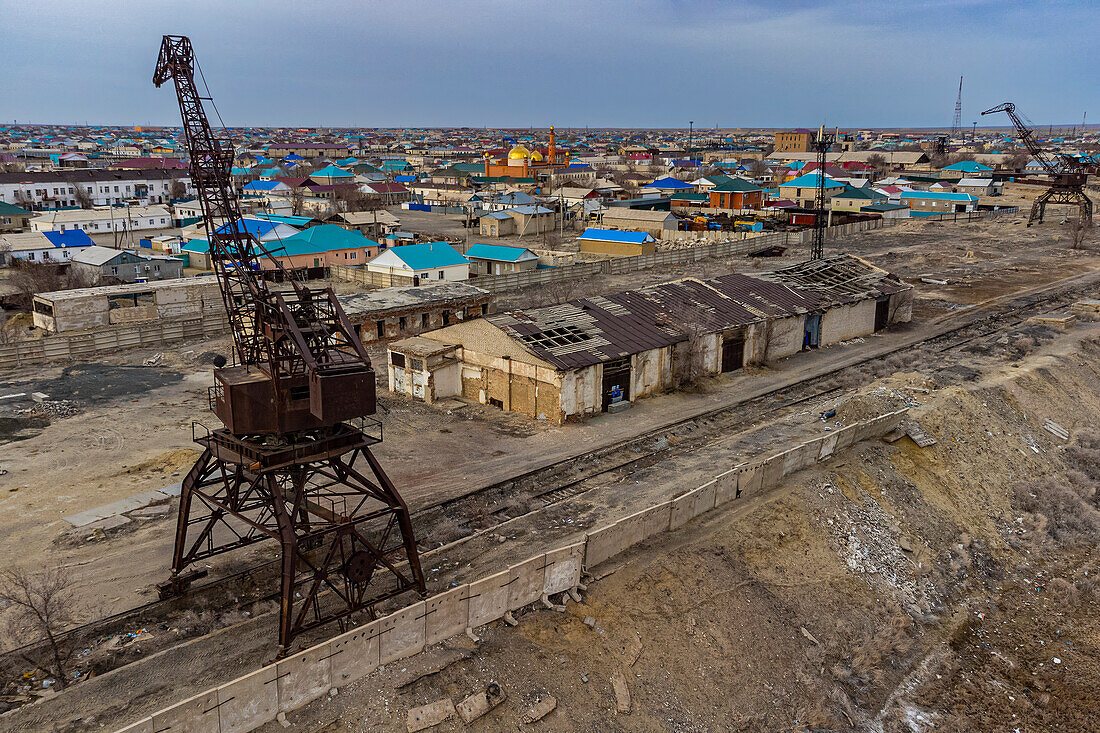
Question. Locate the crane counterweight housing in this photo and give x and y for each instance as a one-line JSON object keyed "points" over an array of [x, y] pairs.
{"points": [[293, 460]]}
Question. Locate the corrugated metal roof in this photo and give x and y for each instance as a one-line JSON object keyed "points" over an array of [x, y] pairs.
{"points": [[839, 279]]}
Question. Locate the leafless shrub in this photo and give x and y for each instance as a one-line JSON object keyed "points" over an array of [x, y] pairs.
{"points": [[32, 278], [1069, 518], [43, 602], [1064, 593], [1080, 234], [1022, 346]]}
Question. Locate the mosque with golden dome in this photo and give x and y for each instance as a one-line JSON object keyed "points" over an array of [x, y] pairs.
{"points": [[522, 162]]}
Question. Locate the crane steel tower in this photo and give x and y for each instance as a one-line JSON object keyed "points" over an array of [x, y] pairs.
{"points": [[1067, 173], [289, 462]]}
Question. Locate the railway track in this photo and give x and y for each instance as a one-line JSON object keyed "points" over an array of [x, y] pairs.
{"points": [[549, 485]]}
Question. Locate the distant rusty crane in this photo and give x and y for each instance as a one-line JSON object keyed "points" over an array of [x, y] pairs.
{"points": [[1067, 173], [294, 405]]}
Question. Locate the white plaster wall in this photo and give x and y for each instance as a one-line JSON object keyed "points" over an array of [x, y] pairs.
{"points": [[580, 390], [901, 307], [448, 381], [848, 321], [650, 371]]}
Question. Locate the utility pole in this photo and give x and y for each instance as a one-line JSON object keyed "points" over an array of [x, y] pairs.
{"points": [[821, 144], [691, 123]]}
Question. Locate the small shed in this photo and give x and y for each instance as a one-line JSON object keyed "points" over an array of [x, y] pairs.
{"points": [[497, 259]]}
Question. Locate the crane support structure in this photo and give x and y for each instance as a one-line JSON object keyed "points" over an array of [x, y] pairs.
{"points": [[1067, 174], [293, 462]]}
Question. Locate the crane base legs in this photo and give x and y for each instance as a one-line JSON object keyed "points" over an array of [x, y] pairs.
{"points": [[1071, 196], [345, 535]]}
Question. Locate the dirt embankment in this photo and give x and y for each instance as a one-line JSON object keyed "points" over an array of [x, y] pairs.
{"points": [[894, 588]]}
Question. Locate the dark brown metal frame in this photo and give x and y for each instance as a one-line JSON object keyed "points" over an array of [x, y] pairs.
{"points": [[284, 466]]}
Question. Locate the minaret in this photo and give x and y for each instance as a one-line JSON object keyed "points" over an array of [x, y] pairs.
{"points": [[553, 150]]}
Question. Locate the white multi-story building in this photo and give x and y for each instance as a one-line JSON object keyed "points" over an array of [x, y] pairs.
{"points": [[46, 190], [112, 219]]}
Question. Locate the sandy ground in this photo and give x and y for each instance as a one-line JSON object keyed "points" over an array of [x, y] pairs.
{"points": [[893, 588]]}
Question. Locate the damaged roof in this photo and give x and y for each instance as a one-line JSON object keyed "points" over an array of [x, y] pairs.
{"points": [[839, 279], [589, 331]]}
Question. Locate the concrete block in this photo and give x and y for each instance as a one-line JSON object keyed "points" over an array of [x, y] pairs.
{"points": [[112, 522], [772, 469], [602, 544], [563, 568], [750, 479], [401, 634], [446, 614], [248, 702], [828, 446], [704, 498], [726, 486], [480, 703], [354, 654], [683, 509], [525, 582], [198, 714], [88, 516], [864, 430], [145, 725], [488, 599], [303, 677]]}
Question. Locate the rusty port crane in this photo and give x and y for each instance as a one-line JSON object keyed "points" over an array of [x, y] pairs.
{"points": [[1067, 174], [294, 403]]}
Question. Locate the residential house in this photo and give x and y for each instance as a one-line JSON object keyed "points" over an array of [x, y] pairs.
{"points": [[616, 243], [102, 220], [46, 247], [496, 259], [13, 218], [106, 264], [736, 194], [319, 247], [927, 203], [803, 190], [434, 261], [856, 199], [651, 222], [980, 186], [44, 190]]}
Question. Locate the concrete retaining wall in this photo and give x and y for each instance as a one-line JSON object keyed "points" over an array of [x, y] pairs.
{"points": [[250, 701]]}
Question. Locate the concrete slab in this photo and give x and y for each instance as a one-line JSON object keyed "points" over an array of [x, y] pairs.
{"points": [[480, 703], [248, 702], [88, 516], [657, 519], [112, 522], [563, 568], [525, 581], [846, 436], [488, 599], [172, 489], [354, 654], [303, 677], [198, 714], [446, 614], [401, 634], [427, 716], [683, 510], [148, 497]]}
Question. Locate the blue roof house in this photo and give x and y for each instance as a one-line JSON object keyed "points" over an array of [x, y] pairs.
{"points": [[966, 166], [498, 259], [431, 261]]}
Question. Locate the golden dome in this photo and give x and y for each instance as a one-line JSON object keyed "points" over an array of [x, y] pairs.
{"points": [[536, 156], [519, 153]]}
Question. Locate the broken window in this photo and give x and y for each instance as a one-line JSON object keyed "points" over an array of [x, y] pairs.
{"points": [[398, 360], [418, 365]]}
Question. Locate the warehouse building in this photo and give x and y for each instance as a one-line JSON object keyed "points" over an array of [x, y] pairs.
{"points": [[398, 312], [70, 310], [591, 355]]}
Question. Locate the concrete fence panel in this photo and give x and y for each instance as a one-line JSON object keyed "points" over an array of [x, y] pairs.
{"points": [[828, 446], [726, 486], [705, 497], [846, 436], [488, 599], [401, 634], [750, 479], [446, 614], [602, 543], [354, 654], [198, 714], [683, 509], [248, 702], [145, 725], [526, 581], [563, 568], [773, 470], [303, 677]]}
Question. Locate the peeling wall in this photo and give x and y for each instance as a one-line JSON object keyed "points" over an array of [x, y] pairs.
{"points": [[847, 321]]}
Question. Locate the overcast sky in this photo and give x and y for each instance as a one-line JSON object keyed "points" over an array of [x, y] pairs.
{"points": [[589, 62]]}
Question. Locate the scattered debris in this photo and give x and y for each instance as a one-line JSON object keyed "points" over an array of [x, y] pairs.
{"points": [[1056, 430], [540, 709], [808, 635], [622, 692], [154, 359]]}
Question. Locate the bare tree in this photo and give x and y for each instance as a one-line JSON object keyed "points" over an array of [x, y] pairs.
{"points": [[349, 198], [297, 200], [42, 600], [878, 164], [31, 278], [22, 200], [758, 169], [1080, 234], [82, 195], [1017, 162], [178, 189]]}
